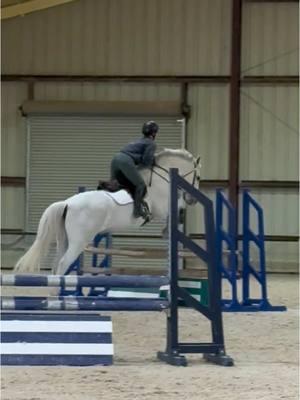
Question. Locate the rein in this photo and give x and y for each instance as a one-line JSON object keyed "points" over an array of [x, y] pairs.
{"points": [[153, 171]]}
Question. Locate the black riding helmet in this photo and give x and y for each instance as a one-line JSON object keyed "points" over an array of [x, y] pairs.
{"points": [[150, 128]]}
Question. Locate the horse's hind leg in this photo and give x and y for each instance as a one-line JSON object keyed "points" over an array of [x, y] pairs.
{"points": [[61, 245], [66, 260], [77, 237], [72, 253]]}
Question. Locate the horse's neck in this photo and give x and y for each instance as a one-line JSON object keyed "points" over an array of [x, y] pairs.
{"points": [[168, 162], [157, 182]]}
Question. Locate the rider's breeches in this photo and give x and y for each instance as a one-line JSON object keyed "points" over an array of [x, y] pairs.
{"points": [[123, 164]]}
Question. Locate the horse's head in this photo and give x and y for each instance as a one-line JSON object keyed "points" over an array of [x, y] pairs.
{"points": [[188, 167], [158, 178]]}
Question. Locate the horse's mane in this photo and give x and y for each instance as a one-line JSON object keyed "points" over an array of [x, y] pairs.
{"points": [[173, 152]]}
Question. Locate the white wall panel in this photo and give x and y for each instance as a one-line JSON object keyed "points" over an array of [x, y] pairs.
{"points": [[120, 37], [281, 210], [282, 256], [281, 217], [208, 128], [270, 38], [195, 214], [13, 132], [269, 133], [13, 153], [12, 207]]}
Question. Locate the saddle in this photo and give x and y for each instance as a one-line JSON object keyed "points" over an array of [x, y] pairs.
{"points": [[114, 186], [111, 186]]}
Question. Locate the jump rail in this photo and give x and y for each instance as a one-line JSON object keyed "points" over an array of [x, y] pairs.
{"points": [[130, 252], [126, 281], [81, 303]]}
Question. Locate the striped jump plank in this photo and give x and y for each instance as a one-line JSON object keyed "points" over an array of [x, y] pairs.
{"points": [[56, 339]]}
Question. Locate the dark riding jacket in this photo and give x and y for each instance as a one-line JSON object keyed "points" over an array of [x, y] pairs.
{"points": [[141, 151]]}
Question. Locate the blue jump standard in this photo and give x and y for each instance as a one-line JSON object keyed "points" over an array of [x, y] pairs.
{"points": [[214, 351], [228, 236]]}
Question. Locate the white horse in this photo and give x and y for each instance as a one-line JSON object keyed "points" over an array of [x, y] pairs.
{"points": [[74, 222]]}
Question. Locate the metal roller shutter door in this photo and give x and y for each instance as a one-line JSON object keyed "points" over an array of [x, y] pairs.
{"points": [[66, 152]]}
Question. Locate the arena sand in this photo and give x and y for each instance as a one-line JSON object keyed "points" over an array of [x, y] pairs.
{"points": [[264, 347]]}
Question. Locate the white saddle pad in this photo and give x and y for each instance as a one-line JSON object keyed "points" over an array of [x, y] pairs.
{"points": [[121, 197]]}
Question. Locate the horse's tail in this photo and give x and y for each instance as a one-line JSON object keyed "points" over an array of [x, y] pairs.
{"points": [[49, 226]]}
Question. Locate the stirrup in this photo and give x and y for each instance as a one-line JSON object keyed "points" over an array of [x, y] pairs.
{"points": [[146, 213], [145, 209]]}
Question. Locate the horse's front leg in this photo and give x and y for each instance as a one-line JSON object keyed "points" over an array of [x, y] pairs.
{"points": [[181, 220]]}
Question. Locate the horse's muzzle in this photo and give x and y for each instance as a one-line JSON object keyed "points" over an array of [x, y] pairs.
{"points": [[190, 200]]}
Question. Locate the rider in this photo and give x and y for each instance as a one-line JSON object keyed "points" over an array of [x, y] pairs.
{"points": [[139, 153]]}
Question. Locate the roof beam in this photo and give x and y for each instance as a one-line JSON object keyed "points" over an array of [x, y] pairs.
{"points": [[271, 1], [206, 79], [27, 7]]}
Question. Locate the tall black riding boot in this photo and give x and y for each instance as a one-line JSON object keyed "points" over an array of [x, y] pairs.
{"points": [[140, 207]]}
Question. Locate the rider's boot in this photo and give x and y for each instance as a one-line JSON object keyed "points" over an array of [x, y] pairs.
{"points": [[141, 208], [145, 212]]}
